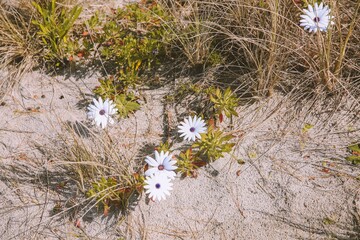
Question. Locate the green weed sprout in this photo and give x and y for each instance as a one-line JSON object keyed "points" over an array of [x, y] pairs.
{"points": [[116, 192], [125, 101], [54, 26], [188, 163], [164, 147], [355, 151], [224, 102], [213, 144]]}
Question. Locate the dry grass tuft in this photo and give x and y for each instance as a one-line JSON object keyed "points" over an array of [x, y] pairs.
{"points": [[17, 45], [21, 47], [108, 179], [262, 40]]}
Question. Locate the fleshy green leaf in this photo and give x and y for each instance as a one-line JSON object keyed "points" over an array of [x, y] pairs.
{"points": [[354, 159]]}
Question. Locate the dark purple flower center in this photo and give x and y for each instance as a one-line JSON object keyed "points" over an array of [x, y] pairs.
{"points": [[157, 185], [192, 129], [161, 167], [102, 112], [316, 19]]}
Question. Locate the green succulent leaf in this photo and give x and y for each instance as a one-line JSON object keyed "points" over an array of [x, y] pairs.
{"points": [[224, 101], [54, 27], [188, 162], [106, 88], [214, 144], [126, 104], [355, 147], [164, 146], [307, 127], [354, 159], [111, 191]]}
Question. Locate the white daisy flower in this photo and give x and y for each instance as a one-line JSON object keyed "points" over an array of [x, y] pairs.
{"points": [[191, 128], [158, 186], [162, 164], [100, 112], [316, 18]]}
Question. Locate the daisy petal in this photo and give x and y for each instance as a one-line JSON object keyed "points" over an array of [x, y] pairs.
{"points": [[151, 162], [150, 171]]}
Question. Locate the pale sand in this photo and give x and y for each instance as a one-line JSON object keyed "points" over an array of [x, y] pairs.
{"points": [[281, 191]]}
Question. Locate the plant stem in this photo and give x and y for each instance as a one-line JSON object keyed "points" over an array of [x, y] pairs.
{"points": [[324, 58], [344, 45]]}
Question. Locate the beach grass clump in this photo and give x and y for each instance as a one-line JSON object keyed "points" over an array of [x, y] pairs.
{"points": [[266, 45]]}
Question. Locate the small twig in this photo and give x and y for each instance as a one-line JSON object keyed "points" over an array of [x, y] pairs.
{"points": [[16, 131]]}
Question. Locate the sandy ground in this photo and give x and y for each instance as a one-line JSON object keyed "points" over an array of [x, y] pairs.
{"points": [[293, 185]]}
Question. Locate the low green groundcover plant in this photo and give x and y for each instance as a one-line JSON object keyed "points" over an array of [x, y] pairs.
{"points": [[54, 25], [355, 154], [130, 42]]}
